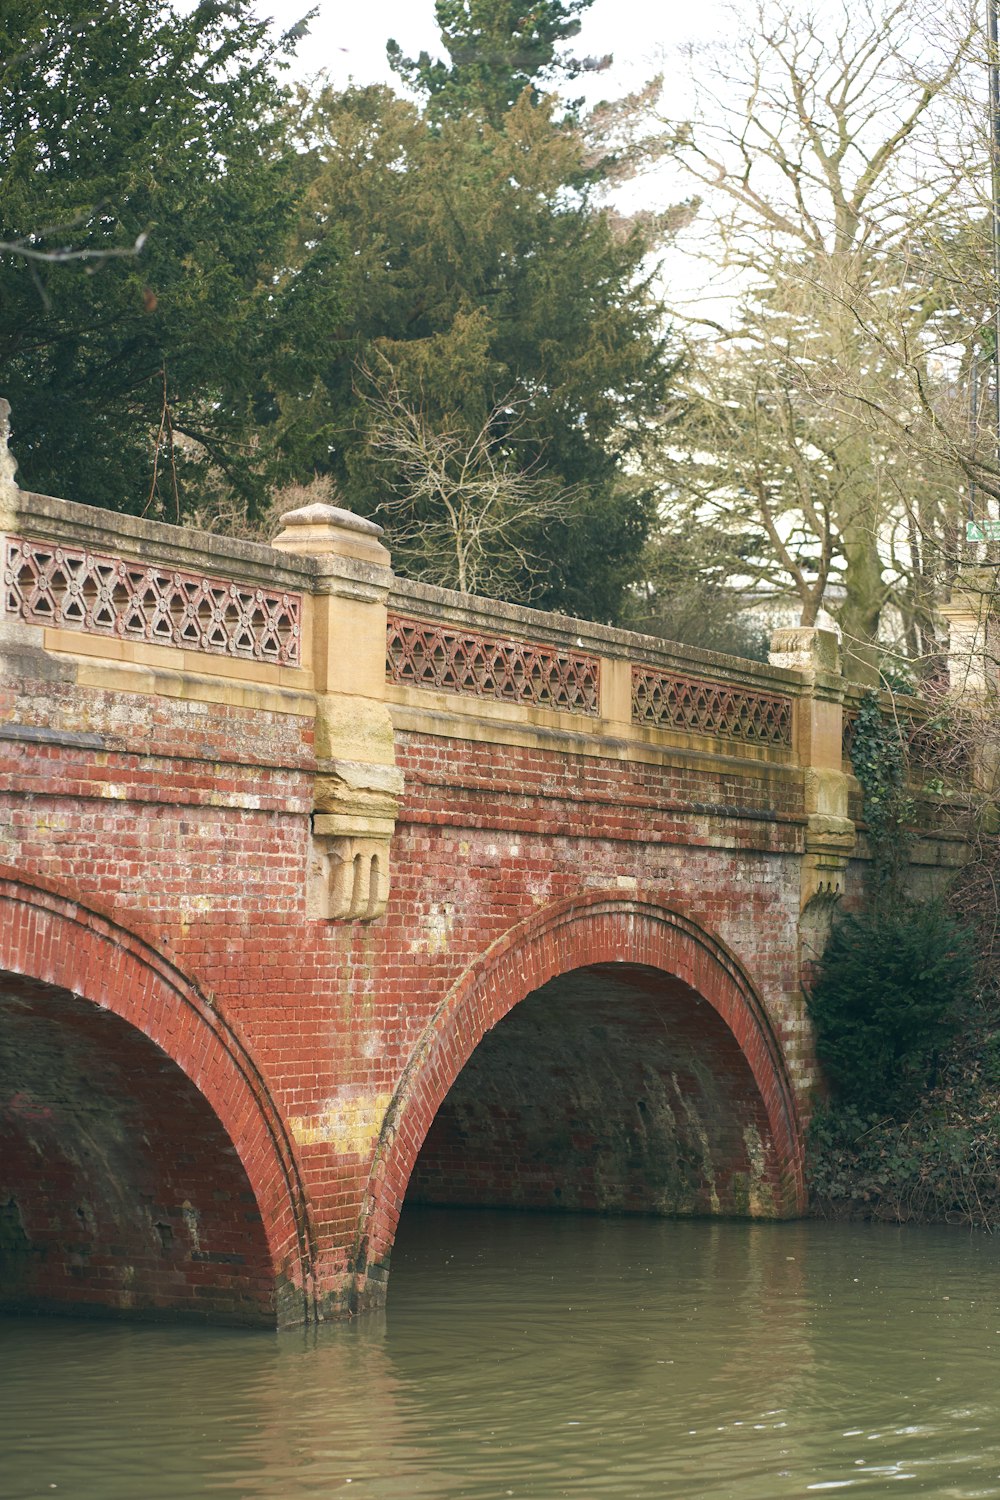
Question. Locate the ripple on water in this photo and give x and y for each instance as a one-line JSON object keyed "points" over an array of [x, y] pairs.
{"points": [[544, 1357]]}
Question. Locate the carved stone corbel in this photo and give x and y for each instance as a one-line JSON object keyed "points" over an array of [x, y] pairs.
{"points": [[830, 836], [352, 828]]}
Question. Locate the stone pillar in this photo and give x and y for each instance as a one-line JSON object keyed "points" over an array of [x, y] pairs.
{"points": [[973, 635], [357, 782], [616, 696], [830, 833], [21, 645]]}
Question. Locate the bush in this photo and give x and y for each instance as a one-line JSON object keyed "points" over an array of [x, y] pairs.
{"points": [[885, 1000], [939, 1165]]}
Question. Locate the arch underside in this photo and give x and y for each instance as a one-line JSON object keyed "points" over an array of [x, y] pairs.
{"points": [[144, 1167], [608, 1054], [120, 1192], [611, 1089]]}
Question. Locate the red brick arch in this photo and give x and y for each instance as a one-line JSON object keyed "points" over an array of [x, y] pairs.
{"points": [[573, 934], [55, 940]]}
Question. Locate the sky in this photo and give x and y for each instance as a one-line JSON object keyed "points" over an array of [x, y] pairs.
{"points": [[348, 39]]}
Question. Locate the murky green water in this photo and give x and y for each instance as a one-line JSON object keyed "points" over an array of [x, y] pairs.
{"points": [[539, 1357]]}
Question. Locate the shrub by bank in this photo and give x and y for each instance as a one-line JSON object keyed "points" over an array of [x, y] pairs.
{"points": [[938, 1162], [907, 1033]]}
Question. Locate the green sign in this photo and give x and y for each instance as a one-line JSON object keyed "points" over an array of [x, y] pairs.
{"points": [[982, 531]]}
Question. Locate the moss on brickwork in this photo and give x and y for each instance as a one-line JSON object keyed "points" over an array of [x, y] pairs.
{"points": [[15, 1247], [119, 1192], [604, 1092]]}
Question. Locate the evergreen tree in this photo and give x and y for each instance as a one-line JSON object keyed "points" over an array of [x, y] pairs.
{"points": [[887, 998], [150, 143], [496, 50], [252, 272], [481, 270]]}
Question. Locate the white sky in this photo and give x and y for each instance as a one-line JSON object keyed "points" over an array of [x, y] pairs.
{"points": [[348, 39]]}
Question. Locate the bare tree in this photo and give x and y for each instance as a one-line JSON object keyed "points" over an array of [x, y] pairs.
{"points": [[461, 510], [842, 215]]}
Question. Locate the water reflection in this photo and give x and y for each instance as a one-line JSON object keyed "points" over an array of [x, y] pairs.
{"points": [[608, 1364], [544, 1357]]}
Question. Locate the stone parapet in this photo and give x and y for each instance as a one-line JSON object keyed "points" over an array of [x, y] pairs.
{"points": [[830, 833], [357, 783], [498, 618], [483, 667]]}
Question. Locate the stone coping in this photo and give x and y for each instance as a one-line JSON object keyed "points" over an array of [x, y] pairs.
{"points": [[495, 617], [44, 518]]}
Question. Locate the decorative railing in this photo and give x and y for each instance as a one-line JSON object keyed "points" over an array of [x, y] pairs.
{"points": [[79, 590], [419, 654], [666, 700]]}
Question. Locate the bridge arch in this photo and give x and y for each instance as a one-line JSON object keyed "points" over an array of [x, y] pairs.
{"points": [[143, 1165], [603, 935]]}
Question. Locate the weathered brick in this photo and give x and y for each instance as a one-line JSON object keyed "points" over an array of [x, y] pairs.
{"points": [[290, 1076]]}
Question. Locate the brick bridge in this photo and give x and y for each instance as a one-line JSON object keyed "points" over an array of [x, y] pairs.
{"points": [[320, 890]]}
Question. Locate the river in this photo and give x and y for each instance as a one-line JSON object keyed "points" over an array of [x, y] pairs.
{"points": [[542, 1356]]}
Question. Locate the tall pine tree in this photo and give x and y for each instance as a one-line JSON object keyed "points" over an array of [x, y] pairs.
{"points": [[481, 270], [148, 141], [496, 50], [486, 275]]}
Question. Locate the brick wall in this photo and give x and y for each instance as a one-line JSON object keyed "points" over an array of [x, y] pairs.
{"points": [[185, 826]]}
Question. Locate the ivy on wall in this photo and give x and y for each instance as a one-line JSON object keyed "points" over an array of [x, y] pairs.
{"points": [[890, 985], [878, 757]]}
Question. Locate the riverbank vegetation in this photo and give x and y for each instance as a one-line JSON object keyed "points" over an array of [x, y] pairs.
{"points": [[906, 1005]]}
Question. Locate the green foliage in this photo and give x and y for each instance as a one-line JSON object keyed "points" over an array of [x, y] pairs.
{"points": [[497, 49], [480, 269], [288, 250], [924, 1167], [878, 758], [886, 998], [941, 1162], [131, 120], [684, 595]]}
